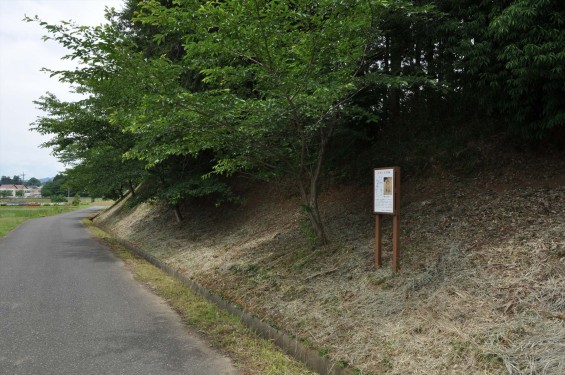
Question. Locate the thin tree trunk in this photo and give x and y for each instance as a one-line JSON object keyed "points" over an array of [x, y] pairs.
{"points": [[131, 188], [176, 207], [395, 69], [309, 188], [178, 213]]}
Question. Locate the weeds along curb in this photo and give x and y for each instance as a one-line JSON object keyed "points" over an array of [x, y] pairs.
{"points": [[292, 346]]}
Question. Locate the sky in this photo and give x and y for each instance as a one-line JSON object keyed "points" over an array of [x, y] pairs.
{"points": [[22, 55]]}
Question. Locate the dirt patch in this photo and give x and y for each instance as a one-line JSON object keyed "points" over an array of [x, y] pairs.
{"points": [[482, 287]]}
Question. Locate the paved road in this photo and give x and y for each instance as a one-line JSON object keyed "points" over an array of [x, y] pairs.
{"points": [[67, 306]]}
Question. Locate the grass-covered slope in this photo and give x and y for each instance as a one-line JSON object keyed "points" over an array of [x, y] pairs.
{"points": [[482, 285]]}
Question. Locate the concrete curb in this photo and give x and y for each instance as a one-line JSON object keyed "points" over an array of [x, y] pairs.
{"points": [[291, 346]]}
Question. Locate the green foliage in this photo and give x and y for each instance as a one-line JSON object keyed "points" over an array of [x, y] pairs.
{"points": [[530, 36], [104, 173], [58, 198], [508, 61], [308, 231], [177, 180], [33, 182], [5, 193], [181, 96], [16, 180], [19, 193], [275, 78], [76, 200], [84, 133], [185, 189], [56, 187]]}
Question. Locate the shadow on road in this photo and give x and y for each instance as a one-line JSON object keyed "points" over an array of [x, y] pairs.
{"points": [[85, 249]]}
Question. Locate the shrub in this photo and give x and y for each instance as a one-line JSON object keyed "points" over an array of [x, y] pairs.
{"points": [[58, 198], [76, 200]]}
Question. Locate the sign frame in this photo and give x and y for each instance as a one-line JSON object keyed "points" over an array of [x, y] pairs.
{"points": [[386, 190], [386, 201]]}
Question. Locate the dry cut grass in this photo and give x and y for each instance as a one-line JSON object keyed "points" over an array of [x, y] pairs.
{"points": [[251, 354], [482, 286]]}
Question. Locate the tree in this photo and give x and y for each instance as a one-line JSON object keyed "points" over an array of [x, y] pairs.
{"points": [[33, 182], [6, 180], [56, 187], [89, 133], [105, 173], [504, 58], [277, 77], [59, 198], [19, 193], [190, 93], [121, 81], [17, 180], [530, 40], [76, 200], [256, 87], [5, 193]]}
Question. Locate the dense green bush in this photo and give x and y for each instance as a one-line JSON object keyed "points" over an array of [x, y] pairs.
{"points": [[76, 200], [58, 198]]}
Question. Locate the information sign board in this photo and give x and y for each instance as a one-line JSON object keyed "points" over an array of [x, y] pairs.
{"points": [[384, 190]]}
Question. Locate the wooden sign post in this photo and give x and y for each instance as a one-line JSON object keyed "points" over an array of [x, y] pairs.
{"points": [[387, 202]]}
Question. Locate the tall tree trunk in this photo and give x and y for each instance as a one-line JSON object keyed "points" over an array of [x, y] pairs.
{"points": [[387, 54], [417, 104], [309, 183], [395, 69]]}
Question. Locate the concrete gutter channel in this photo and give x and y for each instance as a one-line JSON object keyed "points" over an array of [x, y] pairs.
{"points": [[292, 346]]}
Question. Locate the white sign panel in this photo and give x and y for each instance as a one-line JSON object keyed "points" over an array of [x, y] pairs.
{"points": [[384, 190]]}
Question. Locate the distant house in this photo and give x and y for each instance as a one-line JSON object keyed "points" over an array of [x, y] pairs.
{"points": [[28, 192]]}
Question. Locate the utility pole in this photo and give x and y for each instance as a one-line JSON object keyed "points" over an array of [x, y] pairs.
{"points": [[23, 178]]}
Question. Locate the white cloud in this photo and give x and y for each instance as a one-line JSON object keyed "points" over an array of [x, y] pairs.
{"points": [[22, 55]]}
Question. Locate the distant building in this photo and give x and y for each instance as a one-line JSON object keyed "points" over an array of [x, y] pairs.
{"points": [[28, 192]]}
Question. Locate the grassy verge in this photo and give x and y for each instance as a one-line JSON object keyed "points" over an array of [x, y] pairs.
{"points": [[251, 354], [12, 216]]}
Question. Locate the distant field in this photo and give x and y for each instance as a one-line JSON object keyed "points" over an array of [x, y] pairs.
{"points": [[12, 216], [84, 200], [27, 200]]}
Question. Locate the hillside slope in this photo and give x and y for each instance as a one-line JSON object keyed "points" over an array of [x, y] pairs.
{"points": [[482, 285]]}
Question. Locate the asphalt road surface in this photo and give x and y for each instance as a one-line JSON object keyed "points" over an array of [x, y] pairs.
{"points": [[68, 306]]}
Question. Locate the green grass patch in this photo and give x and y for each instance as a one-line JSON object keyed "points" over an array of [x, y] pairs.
{"points": [[250, 353], [12, 216]]}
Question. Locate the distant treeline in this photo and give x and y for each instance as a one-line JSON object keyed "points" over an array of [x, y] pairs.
{"points": [[17, 180]]}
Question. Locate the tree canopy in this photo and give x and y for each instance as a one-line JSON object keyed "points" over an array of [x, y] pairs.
{"points": [[33, 182], [56, 187], [16, 180], [183, 96]]}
